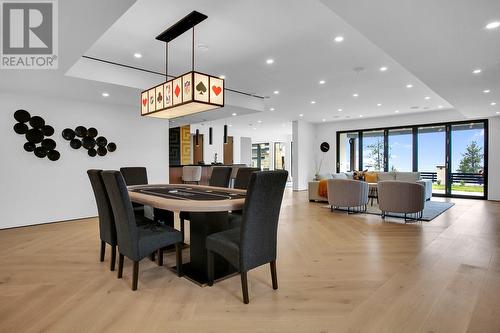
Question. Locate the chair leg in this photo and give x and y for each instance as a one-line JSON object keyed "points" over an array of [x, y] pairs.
{"points": [[210, 268], [152, 256], [178, 258], [244, 287], [103, 250], [113, 258], [135, 275], [274, 276], [120, 266], [160, 257], [182, 229], [331, 208]]}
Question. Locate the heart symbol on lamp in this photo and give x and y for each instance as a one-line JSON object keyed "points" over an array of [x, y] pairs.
{"points": [[144, 101], [177, 91], [216, 90]]}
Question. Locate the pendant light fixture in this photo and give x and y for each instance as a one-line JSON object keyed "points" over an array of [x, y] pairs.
{"points": [[225, 134], [197, 138], [210, 135], [189, 93]]}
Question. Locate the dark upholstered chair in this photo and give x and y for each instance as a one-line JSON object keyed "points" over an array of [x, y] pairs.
{"points": [[241, 183], [137, 242], [254, 243], [220, 177], [243, 177], [107, 229]]}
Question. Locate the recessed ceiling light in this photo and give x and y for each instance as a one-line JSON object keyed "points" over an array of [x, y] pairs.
{"points": [[301, 115], [440, 106], [323, 120], [270, 61], [498, 112], [137, 55], [234, 114], [355, 95], [272, 109], [222, 77], [230, 125], [383, 69], [427, 98], [276, 92], [259, 121], [322, 81], [493, 103], [254, 128], [476, 71], [339, 39], [379, 104], [486, 91], [313, 102], [409, 85], [360, 116], [105, 94], [397, 111], [492, 25], [339, 110]]}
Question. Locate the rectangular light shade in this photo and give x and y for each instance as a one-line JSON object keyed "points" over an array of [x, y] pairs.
{"points": [[187, 94]]}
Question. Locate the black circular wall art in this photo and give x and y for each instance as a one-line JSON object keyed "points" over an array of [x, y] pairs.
{"points": [[21, 128], [68, 134], [111, 147], [95, 146], [325, 147], [75, 144], [81, 131], [35, 131], [22, 116]]}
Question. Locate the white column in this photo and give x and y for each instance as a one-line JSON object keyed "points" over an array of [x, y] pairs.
{"points": [[303, 154]]}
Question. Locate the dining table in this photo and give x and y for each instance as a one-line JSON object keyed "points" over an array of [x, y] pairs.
{"points": [[208, 208]]}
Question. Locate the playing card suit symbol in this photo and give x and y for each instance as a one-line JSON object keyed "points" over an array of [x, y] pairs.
{"points": [[177, 90], [151, 100], [200, 87], [144, 101], [159, 98], [217, 90]]}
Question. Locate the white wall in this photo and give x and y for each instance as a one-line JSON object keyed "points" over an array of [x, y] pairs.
{"points": [[303, 134], [245, 150], [38, 190], [327, 132]]}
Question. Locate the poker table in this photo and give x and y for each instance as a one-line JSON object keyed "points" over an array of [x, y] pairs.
{"points": [[208, 208]]}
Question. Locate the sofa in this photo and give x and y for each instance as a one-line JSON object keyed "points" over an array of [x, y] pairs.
{"points": [[382, 176]]}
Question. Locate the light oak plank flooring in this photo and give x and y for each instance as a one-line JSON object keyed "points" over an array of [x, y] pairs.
{"points": [[336, 273]]}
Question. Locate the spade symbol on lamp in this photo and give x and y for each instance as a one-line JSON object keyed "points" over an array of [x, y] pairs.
{"points": [[159, 98], [201, 88]]}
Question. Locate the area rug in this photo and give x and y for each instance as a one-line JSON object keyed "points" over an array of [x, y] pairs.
{"points": [[432, 210]]}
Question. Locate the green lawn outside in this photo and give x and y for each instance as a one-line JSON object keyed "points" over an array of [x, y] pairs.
{"points": [[462, 188]]}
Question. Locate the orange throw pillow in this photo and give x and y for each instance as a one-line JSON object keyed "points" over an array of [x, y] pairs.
{"points": [[371, 177], [323, 188]]}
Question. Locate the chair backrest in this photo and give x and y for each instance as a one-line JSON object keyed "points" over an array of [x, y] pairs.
{"points": [[347, 192], [243, 177], [401, 197], [235, 168], [135, 175], [126, 227], [191, 173], [107, 229], [259, 226], [220, 177]]}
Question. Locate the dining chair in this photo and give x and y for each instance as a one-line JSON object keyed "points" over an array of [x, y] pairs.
{"points": [[191, 174], [254, 243], [107, 229], [137, 242], [241, 183]]}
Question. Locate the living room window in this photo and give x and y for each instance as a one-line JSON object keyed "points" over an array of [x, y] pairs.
{"points": [[453, 155]]}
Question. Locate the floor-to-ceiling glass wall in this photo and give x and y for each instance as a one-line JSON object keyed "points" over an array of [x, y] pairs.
{"points": [[432, 156], [260, 156], [467, 159], [348, 159], [373, 150], [279, 156], [400, 149]]}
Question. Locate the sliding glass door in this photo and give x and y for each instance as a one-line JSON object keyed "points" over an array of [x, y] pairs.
{"points": [[467, 159], [260, 156], [432, 156], [452, 155]]}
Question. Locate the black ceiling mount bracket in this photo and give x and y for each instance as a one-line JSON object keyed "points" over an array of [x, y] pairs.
{"points": [[183, 25]]}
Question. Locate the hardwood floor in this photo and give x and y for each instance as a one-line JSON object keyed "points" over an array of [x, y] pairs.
{"points": [[336, 273]]}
